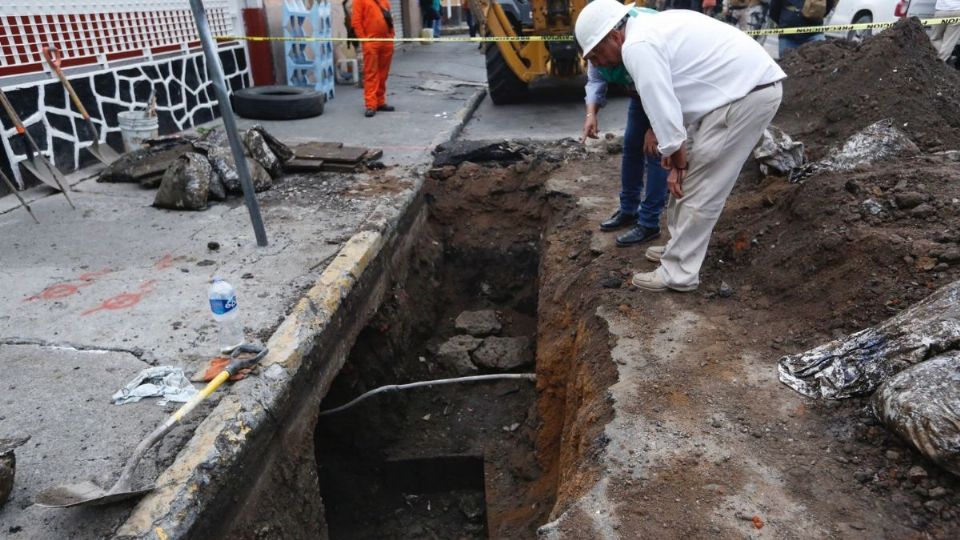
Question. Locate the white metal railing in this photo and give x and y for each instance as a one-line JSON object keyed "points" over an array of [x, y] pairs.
{"points": [[98, 32]]}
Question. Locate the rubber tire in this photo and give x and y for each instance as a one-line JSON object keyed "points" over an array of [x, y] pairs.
{"points": [[504, 86], [276, 102], [861, 19]]}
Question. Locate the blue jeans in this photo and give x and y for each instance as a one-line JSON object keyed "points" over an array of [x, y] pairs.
{"points": [[792, 42], [634, 198], [436, 27]]}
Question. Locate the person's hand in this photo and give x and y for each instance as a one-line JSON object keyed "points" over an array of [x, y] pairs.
{"points": [[675, 182], [589, 128], [677, 164], [676, 160], [650, 144]]}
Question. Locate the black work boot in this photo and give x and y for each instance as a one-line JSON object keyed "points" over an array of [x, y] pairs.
{"points": [[637, 235], [618, 220]]}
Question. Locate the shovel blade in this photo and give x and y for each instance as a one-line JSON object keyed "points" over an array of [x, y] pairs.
{"points": [[41, 170], [103, 153], [84, 493]]}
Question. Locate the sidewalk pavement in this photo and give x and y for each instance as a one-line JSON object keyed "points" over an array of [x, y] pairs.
{"points": [[91, 296]]}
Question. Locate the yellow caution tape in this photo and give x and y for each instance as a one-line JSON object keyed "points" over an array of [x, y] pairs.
{"points": [[844, 27], [402, 40], [494, 39]]}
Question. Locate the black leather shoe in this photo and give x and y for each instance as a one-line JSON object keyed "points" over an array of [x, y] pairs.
{"points": [[637, 235], [618, 220], [386, 108], [369, 113]]}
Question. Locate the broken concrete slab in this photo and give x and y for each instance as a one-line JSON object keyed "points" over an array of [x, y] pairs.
{"points": [[259, 150], [504, 353], [279, 149], [478, 323], [186, 184], [145, 162]]}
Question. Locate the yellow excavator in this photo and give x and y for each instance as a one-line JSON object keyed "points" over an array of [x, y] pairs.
{"points": [[513, 65]]}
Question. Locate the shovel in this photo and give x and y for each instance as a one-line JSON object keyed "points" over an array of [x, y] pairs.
{"points": [[104, 153], [89, 494], [13, 189], [36, 164]]}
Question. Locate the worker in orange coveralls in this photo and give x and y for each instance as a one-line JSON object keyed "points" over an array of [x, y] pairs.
{"points": [[372, 19]]}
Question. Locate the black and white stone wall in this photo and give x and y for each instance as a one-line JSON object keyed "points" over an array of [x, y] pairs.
{"points": [[185, 98]]}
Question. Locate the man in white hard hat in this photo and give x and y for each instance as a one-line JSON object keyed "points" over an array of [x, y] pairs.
{"points": [[709, 91]]}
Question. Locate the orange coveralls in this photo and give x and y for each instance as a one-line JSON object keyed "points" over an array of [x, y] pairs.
{"points": [[369, 22]]}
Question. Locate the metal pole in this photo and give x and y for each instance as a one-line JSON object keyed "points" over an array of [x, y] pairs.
{"points": [[215, 71]]}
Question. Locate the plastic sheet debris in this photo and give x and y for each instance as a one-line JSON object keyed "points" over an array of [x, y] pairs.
{"points": [[859, 363], [921, 404], [877, 142], [166, 382], [777, 153]]}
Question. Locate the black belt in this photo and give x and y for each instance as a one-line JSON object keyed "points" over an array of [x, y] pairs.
{"points": [[762, 86]]}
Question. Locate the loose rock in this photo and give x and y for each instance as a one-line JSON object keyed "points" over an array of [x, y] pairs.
{"points": [[478, 323], [504, 353]]}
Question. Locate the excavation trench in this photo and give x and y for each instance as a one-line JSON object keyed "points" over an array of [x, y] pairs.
{"points": [[487, 240], [475, 459]]}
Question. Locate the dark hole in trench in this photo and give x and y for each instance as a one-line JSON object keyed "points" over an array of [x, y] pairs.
{"points": [[449, 461]]}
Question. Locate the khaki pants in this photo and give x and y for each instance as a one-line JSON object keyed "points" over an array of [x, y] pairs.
{"points": [[717, 147], [945, 36]]}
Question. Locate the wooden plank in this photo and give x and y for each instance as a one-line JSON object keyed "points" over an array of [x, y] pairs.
{"points": [[340, 167], [318, 146], [303, 165], [347, 154]]}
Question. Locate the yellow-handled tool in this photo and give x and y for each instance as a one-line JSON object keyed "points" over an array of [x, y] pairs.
{"points": [[89, 493]]}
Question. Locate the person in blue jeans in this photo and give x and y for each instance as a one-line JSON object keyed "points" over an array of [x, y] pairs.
{"points": [[640, 203], [789, 14], [436, 22]]}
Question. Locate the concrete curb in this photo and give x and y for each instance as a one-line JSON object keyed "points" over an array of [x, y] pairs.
{"points": [[252, 411], [463, 116]]}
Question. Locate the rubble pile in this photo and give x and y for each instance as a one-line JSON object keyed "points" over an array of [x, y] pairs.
{"points": [[836, 88], [189, 170]]}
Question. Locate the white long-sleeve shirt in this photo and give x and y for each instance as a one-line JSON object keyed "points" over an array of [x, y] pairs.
{"points": [[947, 5], [685, 64]]}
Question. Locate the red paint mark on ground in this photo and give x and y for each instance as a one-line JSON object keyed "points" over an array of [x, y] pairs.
{"points": [[63, 290], [123, 300], [60, 290], [164, 263], [90, 276]]}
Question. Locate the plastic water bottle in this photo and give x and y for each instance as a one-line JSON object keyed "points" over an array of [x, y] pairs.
{"points": [[223, 304]]}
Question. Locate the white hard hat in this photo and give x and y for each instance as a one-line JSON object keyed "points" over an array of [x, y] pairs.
{"points": [[596, 20]]}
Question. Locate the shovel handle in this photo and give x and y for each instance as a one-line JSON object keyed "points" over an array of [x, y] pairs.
{"points": [[14, 117], [235, 365], [54, 58]]}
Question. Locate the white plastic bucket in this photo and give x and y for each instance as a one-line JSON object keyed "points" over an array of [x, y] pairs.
{"points": [[135, 127]]}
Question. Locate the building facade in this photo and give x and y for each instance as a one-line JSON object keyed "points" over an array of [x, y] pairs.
{"points": [[115, 53]]}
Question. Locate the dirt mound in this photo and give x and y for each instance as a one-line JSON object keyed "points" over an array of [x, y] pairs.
{"points": [[836, 88], [845, 249]]}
